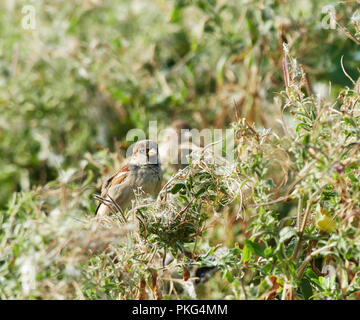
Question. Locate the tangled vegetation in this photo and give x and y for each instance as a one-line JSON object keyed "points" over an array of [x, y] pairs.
{"points": [[280, 221]]}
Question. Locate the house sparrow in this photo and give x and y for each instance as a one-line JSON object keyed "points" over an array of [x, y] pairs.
{"points": [[142, 171]]}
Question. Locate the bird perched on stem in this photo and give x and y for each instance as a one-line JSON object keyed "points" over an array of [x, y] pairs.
{"points": [[143, 171]]}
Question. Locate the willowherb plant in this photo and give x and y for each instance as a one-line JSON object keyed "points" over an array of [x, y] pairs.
{"points": [[319, 187]]}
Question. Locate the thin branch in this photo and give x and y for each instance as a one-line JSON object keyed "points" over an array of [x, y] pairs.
{"points": [[347, 32], [301, 231], [281, 199], [299, 214], [118, 208], [251, 128], [343, 69], [110, 203], [184, 209], [309, 257]]}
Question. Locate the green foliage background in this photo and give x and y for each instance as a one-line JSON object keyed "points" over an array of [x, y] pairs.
{"points": [[92, 70]]}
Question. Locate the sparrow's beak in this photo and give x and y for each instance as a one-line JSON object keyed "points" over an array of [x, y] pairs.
{"points": [[152, 152]]}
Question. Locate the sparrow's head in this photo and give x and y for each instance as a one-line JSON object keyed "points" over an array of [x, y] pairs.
{"points": [[145, 152], [182, 130], [178, 132], [178, 125]]}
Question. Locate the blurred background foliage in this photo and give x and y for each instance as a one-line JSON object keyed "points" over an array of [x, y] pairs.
{"points": [[92, 70], [71, 89]]}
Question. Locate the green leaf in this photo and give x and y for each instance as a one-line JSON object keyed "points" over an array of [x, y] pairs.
{"points": [[176, 188], [350, 121], [176, 15], [302, 125], [254, 248], [268, 251], [286, 233], [352, 177], [267, 269], [306, 139], [246, 254], [200, 192], [306, 288], [228, 276]]}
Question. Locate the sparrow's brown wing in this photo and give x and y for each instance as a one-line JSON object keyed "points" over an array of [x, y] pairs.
{"points": [[115, 179]]}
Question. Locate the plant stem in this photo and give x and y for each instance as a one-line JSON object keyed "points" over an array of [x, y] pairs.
{"points": [[301, 231]]}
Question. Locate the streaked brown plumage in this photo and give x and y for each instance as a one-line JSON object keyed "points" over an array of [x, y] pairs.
{"points": [[143, 171]]}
